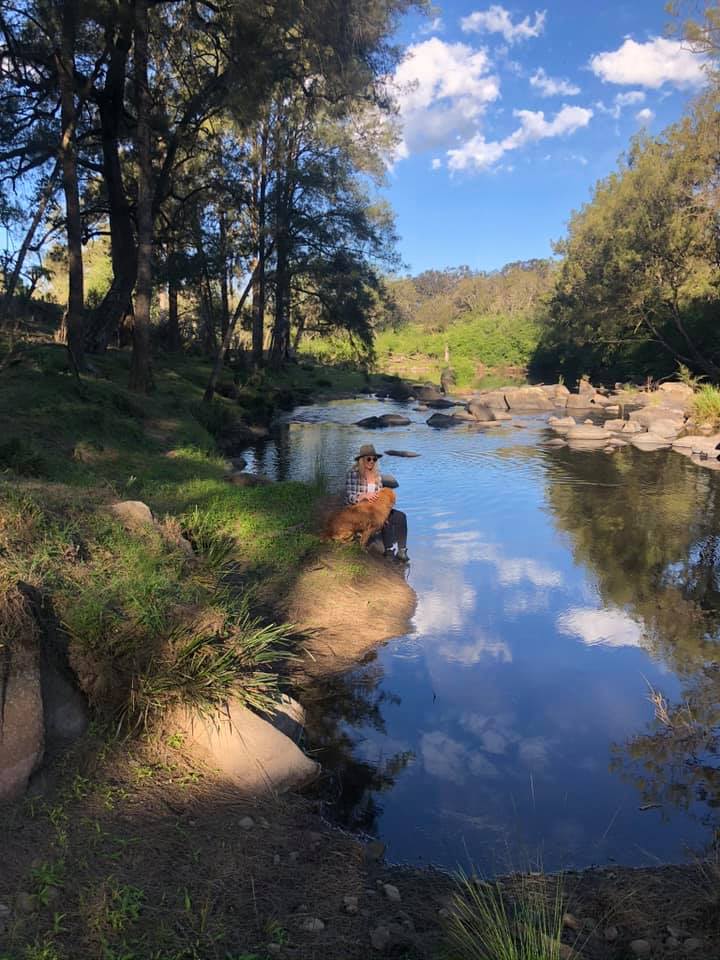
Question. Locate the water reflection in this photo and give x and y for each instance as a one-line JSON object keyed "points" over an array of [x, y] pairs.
{"points": [[553, 588]]}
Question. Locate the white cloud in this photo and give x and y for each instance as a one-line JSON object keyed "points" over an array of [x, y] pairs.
{"points": [[496, 19], [479, 154], [436, 163], [442, 89], [645, 116], [473, 651], [552, 87], [622, 100], [449, 759], [436, 25], [651, 64], [611, 628]]}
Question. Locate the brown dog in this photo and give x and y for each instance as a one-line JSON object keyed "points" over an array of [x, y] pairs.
{"points": [[366, 518]]}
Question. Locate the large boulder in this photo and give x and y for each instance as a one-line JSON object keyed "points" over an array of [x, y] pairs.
{"points": [[425, 392], [246, 750], [586, 389], [132, 513], [495, 399], [368, 423], [650, 441], [586, 433], [400, 392], [576, 401], [562, 424], [443, 420], [393, 420], [527, 398], [650, 415], [680, 392], [442, 403], [480, 410], [401, 453], [388, 480], [22, 727]]}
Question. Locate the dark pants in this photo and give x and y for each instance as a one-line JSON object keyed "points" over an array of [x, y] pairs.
{"points": [[395, 530]]}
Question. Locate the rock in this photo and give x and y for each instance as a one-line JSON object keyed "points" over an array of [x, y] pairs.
{"points": [[25, 902], [480, 410], [586, 389], [132, 513], [651, 414], [612, 408], [677, 932], [586, 433], [248, 751], [380, 939], [562, 424], [350, 904], [392, 892], [667, 428], [375, 850], [246, 823], [238, 463], [393, 420], [571, 922], [640, 948], [294, 856], [426, 392], [610, 934], [495, 399], [22, 726], [369, 423], [555, 442], [247, 480], [313, 925], [469, 418], [677, 390], [527, 398], [388, 480], [692, 944], [671, 943], [697, 443], [576, 402], [650, 441], [400, 392], [401, 453], [289, 718], [614, 426], [441, 403], [442, 420]]}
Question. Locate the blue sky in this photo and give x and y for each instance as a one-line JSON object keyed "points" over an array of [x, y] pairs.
{"points": [[511, 113]]}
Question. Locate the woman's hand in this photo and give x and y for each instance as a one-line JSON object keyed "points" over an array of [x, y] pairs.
{"points": [[368, 496]]}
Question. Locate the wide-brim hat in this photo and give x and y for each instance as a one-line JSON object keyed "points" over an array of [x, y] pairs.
{"points": [[367, 450]]}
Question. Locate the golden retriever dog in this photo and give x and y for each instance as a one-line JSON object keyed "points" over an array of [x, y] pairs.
{"points": [[366, 518]]}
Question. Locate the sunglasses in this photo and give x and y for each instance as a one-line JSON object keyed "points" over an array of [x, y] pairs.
{"points": [[371, 459]]}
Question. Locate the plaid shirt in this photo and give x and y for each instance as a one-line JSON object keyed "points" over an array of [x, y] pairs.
{"points": [[354, 486]]}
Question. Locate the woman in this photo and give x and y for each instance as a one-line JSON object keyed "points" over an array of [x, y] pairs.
{"points": [[362, 482]]}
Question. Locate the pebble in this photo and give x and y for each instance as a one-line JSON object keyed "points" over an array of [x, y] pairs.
{"points": [[570, 921], [313, 924], [641, 948], [392, 893], [611, 934], [350, 904], [246, 823], [380, 938]]}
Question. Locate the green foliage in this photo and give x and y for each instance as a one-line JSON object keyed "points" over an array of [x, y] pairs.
{"points": [[485, 924], [18, 455], [706, 405]]}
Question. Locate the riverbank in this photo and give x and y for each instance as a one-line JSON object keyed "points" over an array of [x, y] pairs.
{"points": [[132, 848]]}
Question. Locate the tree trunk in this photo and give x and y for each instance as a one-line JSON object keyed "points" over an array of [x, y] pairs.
{"points": [[104, 320], [174, 342], [281, 327], [224, 292], [140, 371], [258, 322], [220, 358], [65, 61]]}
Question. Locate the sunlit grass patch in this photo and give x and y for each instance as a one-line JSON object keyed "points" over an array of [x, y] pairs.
{"points": [[706, 405], [490, 922]]}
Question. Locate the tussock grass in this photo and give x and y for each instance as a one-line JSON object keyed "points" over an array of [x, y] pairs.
{"points": [[706, 405], [486, 923]]}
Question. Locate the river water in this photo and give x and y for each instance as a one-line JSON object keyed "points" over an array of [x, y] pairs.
{"points": [[557, 592]]}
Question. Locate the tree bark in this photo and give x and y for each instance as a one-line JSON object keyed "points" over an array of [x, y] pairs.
{"points": [[65, 61], [224, 291], [174, 342], [140, 371], [104, 320], [220, 358], [258, 321]]}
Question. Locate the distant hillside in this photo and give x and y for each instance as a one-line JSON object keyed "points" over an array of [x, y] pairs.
{"points": [[485, 321]]}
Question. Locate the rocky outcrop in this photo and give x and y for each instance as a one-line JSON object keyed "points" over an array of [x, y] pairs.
{"points": [[442, 420], [252, 754], [480, 410], [41, 708], [401, 453], [528, 398], [389, 481], [385, 420]]}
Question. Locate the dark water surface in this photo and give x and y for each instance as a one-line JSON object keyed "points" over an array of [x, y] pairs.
{"points": [[556, 590]]}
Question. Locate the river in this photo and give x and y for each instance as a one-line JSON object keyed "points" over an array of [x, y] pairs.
{"points": [[558, 591]]}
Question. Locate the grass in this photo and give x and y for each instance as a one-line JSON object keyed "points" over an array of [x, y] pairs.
{"points": [[706, 405], [486, 923], [150, 624]]}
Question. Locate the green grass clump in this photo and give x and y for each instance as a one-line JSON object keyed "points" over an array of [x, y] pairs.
{"points": [[488, 922], [706, 405]]}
